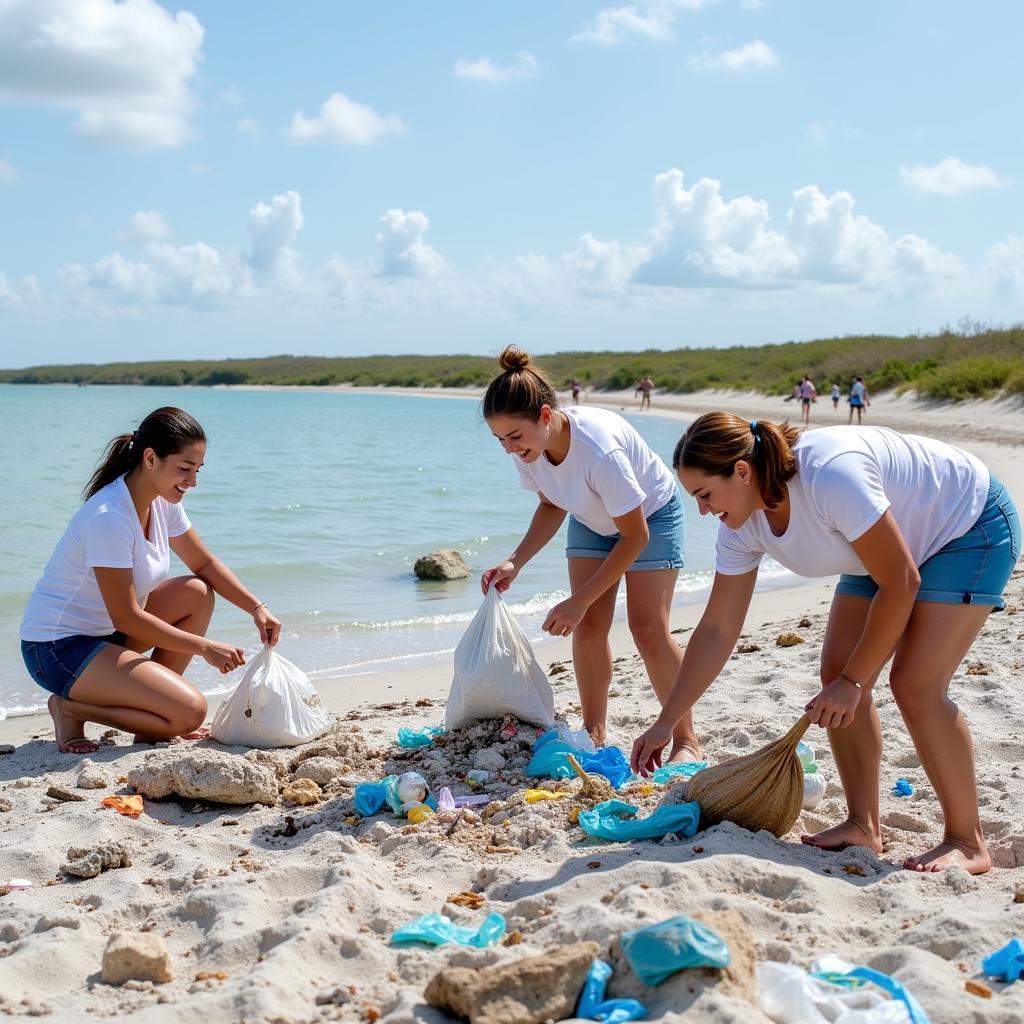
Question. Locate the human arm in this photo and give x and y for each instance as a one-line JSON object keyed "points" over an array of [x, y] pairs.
{"points": [[884, 553], [706, 654], [547, 518], [117, 588], [202, 562], [633, 537]]}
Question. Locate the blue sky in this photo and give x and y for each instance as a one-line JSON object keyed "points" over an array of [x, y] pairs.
{"points": [[222, 179]]}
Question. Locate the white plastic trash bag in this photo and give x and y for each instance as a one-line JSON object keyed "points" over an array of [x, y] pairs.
{"points": [[275, 705], [496, 673], [788, 995]]}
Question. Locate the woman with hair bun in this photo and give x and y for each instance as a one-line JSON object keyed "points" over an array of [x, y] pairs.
{"points": [[625, 520], [104, 597], [925, 539]]}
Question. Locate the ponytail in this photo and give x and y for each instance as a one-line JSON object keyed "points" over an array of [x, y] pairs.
{"points": [[521, 389], [716, 441], [165, 430]]}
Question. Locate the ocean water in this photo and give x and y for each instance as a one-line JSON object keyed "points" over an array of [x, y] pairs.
{"points": [[321, 501]]}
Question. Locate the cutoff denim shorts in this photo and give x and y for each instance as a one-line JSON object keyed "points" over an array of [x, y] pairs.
{"points": [[56, 664], [664, 548], [974, 568]]}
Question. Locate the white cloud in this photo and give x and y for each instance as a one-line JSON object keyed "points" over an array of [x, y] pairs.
{"points": [[753, 5], [1004, 266], [403, 251], [249, 128], [124, 67], [602, 267], [343, 120], [950, 177], [8, 175], [485, 70], [274, 227], [650, 19], [754, 56], [14, 297], [147, 226]]}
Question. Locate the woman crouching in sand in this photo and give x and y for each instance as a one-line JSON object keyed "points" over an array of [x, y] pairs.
{"points": [[626, 519], [104, 596], [925, 539]]}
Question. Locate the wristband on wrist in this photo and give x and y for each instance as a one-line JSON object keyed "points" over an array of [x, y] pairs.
{"points": [[262, 604], [860, 686]]}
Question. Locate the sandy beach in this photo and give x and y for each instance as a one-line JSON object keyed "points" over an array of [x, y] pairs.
{"points": [[283, 912]]}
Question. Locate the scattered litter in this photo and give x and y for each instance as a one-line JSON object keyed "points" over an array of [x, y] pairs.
{"points": [[412, 738], [532, 796], [788, 995], [805, 751], [445, 800], [477, 776], [657, 951], [681, 770], [617, 821], [438, 930], [473, 900], [977, 988], [551, 760], [896, 989], [129, 806], [1006, 964], [18, 883], [902, 788], [472, 800], [594, 1006], [419, 813], [814, 791]]}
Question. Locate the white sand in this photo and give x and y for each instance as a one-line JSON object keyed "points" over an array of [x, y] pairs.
{"points": [[293, 918]]}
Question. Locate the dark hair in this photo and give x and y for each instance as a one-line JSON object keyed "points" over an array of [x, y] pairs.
{"points": [[716, 441], [521, 389], [165, 430]]}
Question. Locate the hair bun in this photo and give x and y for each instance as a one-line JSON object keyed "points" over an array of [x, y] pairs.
{"points": [[514, 359]]}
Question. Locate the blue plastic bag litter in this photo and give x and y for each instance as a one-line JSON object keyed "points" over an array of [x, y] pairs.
{"points": [[594, 1006], [1006, 964], [437, 930], [682, 770], [902, 788], [412, 738], [659, 950], [895, 989], [617, 821], [551, 760], [371, 797]]}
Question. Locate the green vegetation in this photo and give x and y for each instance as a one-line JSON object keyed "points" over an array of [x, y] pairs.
{"points": [[972, 362]]}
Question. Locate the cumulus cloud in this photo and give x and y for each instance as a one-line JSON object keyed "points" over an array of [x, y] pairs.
{"points": [[485, 70], [754, 56], [17, 296], [8, 175], [1004, 266], [249, 128], [274, 226], [343, 120], [403, 251], [147, 226], [601, 267], [651, 19], [950, 177], [123, 67]]}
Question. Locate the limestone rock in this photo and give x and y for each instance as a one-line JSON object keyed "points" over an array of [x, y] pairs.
{"points": [[320, 770], [142, 956], [5, 806], [443, 564], [205, 774], [64, 795], [489, 760], [268, 759], [528, 991], [7, 748], [88, 862], [302, 791], [91, 777], [789, 640]]}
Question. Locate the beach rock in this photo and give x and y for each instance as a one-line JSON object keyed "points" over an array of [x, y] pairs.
{"points": [[64, 795], [23, 783], [88, 862], [7, 748], [141, 956], [489, 760], [213, 775], [789, 640], [5, 806], [91, 777], [444, 564], [527, 991], [268, 759], [320, 770], [302, 791]]}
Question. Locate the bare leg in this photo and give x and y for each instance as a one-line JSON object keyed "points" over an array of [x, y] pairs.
{"points": [[591, 651], [936, 640], [648, 602], [857, 749]]}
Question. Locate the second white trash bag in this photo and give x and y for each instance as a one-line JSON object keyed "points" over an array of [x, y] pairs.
{"points": [[275, 705], [496, 673]]}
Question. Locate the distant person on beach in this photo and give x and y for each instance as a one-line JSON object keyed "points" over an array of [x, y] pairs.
{"points": [[104, 597], [925, 540], [859, 398], [625, 520], [808, 394], [643, 388], [836, 394], [795, 393], [574, 387]]}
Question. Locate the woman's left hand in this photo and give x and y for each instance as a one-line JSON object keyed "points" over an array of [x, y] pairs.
{"points": [[564, 617], [836, 705], [269, 627]]}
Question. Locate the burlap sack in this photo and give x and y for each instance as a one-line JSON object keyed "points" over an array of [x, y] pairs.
{"points": [[761, 790]]}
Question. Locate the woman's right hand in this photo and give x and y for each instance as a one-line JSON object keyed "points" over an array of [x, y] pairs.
{"points": [[223, 657], [499, 576], [647, 750]]}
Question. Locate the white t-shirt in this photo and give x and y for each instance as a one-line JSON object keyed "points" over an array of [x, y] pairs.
{"points": [[609, 471], [847, 477], [106, 533]]}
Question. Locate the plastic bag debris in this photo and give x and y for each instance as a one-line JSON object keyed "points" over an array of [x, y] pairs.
{"points": [[788, 995], [594, 1006], [617, 821], [438, 929], [550, 761], [1006, 964], [659, 950], [412, 738]]}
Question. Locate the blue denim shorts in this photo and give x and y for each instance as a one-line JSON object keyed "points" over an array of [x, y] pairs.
{"points": [[56, 664], [664, 547], [974, 568]]}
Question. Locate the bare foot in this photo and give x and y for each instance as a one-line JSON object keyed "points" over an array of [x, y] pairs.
{"points": [[849, 833], [597, 733], [952, 853], [68, 731], [684, 752], [199, 734]]}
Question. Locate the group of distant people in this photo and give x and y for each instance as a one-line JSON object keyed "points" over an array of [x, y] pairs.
{"points": [[642, 389], [806, 393]]}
